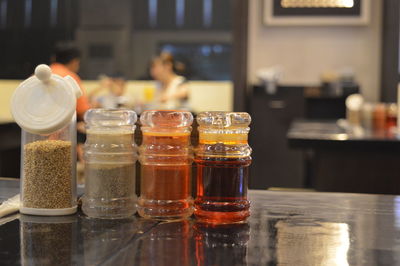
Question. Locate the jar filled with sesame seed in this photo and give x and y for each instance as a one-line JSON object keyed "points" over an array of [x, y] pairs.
{"points": [[44, 107], [110, 164]]}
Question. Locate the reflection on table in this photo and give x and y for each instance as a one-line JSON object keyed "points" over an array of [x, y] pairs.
{"points": [[285, 228]]}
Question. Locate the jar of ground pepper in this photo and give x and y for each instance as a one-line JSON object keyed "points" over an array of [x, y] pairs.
{"points": [[110, 163]]}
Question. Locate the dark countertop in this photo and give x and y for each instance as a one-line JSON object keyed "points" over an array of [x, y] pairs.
{"points": [[285, 228], [329, 134]]}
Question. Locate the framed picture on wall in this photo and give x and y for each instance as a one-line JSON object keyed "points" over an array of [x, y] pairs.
{"points": [[316, 12]]}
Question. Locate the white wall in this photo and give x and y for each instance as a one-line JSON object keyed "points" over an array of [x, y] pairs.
{"points": [[102, 23], [306, 51]]}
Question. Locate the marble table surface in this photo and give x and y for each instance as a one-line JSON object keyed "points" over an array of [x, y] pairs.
{"points": [[285, 228]]}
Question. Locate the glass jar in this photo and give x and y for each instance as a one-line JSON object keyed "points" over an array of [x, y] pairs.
{"points": [[166, 159], [223, 159], [110, 157], [44, 107], [391, 117], [367, 116], [379, 120]]}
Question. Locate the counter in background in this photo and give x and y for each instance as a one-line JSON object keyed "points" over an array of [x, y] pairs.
{"points": [[340, 161], [204, 95], [274, 164]]}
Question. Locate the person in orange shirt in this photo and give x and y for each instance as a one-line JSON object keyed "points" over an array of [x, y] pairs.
{"points": [[66, 61]]}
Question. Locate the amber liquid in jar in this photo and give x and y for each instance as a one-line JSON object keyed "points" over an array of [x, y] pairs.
{"points": [[222, 189], [166, 177], [223, 159], [391, 118]]}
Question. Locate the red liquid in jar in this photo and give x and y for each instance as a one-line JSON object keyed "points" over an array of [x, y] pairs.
{"points": [[165, 177], [222, 189]]}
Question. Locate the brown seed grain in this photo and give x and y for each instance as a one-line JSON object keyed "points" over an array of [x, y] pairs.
{"points": [[47, 174]]}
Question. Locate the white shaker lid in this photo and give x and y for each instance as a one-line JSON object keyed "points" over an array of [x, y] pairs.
{"points": [[45, 102]]}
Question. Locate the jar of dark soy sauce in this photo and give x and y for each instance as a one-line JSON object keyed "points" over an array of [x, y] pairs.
{"points": [[223, 159]]}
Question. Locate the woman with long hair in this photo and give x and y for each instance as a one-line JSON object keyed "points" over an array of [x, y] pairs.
{"points": [[174, 92]]}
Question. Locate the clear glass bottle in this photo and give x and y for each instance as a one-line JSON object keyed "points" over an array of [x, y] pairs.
{"points": [[166, 159], [391, 117], [379, 120], [223, 159], [110, 159], [44, 107]]}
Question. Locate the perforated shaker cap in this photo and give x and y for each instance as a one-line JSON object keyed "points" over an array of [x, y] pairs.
{"points": [[45, 102]]}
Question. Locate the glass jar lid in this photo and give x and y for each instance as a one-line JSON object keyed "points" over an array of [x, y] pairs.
{"points": [[223, 127], [110, 118], [221, 120], [166, 121]]}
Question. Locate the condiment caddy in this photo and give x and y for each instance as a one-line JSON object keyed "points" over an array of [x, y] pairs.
{"points": [[44, 107]]}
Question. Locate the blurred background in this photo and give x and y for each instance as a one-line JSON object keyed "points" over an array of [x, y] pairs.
{"points": [[292, 64]]}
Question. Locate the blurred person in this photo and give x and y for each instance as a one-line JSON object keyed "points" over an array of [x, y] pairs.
{"points": [[66, 61], [173, 88], [105, 84], [111, 93]]}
